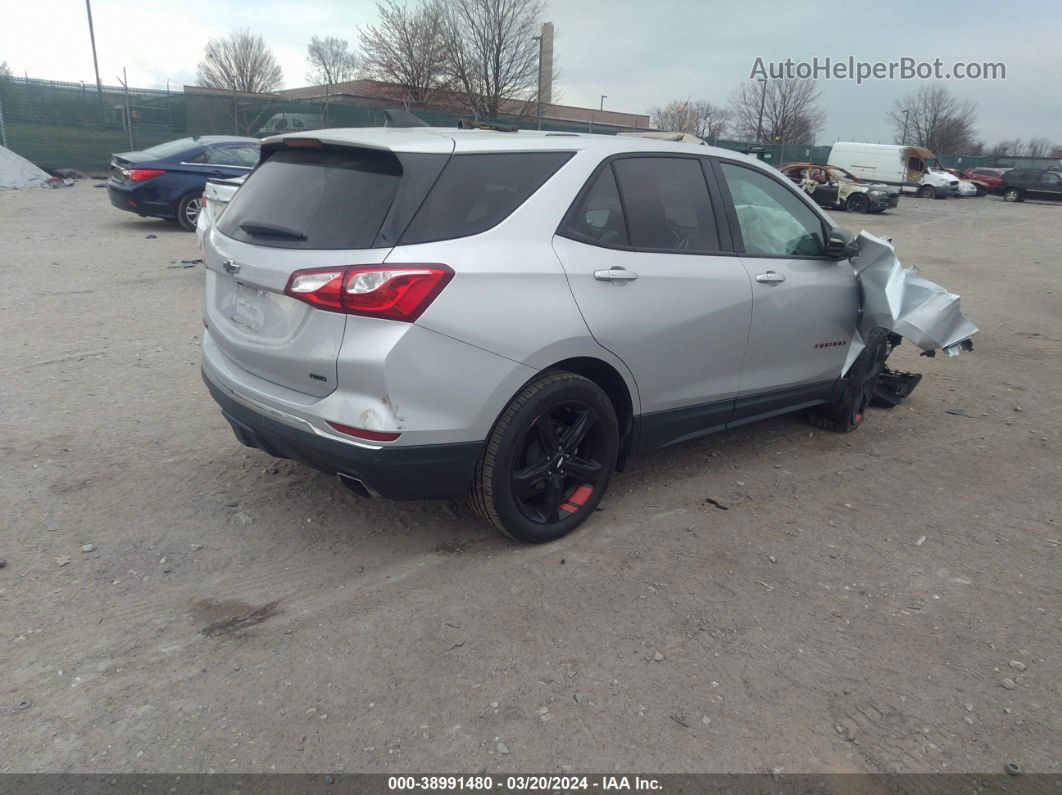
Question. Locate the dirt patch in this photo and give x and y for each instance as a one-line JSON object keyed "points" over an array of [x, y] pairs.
{"points": [[226, 617]]}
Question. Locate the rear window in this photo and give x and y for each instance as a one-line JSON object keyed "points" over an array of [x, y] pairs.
{"points": [[478, 191], [315, 199]]}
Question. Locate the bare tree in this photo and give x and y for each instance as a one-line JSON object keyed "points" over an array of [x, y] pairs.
{"points": [[331, 61], [5, 70], [240, 62], [783, 111], [1037, 147], [1056, 151], [407, 48], [699, 117], [492, 55], [934, 118], [1007, 148]]}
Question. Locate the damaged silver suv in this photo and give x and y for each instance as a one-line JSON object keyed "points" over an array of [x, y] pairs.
{"points": [[509, 316]]}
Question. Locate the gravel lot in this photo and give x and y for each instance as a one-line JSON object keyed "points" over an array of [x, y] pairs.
{"points": [[888, 600]]}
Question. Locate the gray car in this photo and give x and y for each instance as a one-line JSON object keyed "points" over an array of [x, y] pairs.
{"points": [[509, 316]]}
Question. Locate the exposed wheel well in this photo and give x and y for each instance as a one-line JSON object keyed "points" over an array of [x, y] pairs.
{"points": [[611, 382]]}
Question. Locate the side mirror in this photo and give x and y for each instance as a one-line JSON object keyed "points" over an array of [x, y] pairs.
{"points": [[841, 245]]}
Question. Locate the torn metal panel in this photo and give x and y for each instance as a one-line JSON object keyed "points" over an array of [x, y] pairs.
{"points": [[900, 300]]}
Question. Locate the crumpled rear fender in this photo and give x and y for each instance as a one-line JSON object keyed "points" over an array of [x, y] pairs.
{"points": [[899, 299]]}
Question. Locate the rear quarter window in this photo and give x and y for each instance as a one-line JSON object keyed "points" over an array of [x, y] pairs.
{"points": [[476, 192]]}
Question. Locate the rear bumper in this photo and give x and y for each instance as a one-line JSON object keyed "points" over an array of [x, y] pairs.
{"points": [[120, 198], [440, 471], [144, 202]]}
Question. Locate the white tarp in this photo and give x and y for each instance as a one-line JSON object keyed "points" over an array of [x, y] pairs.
{"points": [[899, 299], [17, 172]]}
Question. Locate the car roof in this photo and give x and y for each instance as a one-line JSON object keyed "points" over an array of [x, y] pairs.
{"points": [[443, 141]]}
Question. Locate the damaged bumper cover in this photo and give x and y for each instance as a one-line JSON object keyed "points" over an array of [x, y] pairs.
{"points": [[900, 300]]}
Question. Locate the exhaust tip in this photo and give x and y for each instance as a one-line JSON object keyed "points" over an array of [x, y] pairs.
{"points": [[355, 485]]}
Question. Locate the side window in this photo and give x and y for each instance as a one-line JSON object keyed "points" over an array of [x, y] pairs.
{"points": [[599, 216], [478, 191], [199, 157], [667, 205], [772, 219], [1049, 178], [245, 156]]}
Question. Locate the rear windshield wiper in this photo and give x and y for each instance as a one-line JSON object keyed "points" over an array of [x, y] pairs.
{"points": [[269, 230]]}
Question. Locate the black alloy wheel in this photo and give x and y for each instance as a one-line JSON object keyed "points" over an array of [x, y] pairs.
{"points": [[557, 466], [548, 461]]}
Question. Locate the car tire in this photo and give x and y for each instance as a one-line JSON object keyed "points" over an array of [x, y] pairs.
{"points": [[188, 210], [927, 192], [534, 494], [857, 203], [1012, 195], [860, 384]]}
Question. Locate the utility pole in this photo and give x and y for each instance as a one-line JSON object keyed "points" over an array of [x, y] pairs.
{"points": [[763, 99], [95, 62], [128, 115], [590, 125], [538, 93], [906, 113]]}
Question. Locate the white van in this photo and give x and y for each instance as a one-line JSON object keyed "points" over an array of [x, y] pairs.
{"points": [[892, 164]]}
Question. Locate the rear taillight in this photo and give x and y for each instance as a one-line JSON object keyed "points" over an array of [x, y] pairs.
{"points": [[395, 292], [142, 174]]}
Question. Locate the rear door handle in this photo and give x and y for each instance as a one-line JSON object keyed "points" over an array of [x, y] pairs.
{"points": [[615, 274], [770, 277]]}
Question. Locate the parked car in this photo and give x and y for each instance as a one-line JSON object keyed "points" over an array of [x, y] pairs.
{"points": [[904, 167], [1020, 184], [509, 316], [987, 178], [834, 188], [166, 181], [280, 123], [216, 195], [965, 188]]}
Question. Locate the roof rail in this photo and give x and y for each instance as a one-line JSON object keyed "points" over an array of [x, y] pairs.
{"points": [[471, 124]]}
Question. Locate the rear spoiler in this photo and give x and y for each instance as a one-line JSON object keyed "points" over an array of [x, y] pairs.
{"points": [[427, 140]]}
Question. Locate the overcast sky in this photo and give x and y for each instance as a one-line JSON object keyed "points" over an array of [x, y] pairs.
{"points": [[641, 53]]}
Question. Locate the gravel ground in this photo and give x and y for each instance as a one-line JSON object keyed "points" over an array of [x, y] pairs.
{"points": [[771, 598]]}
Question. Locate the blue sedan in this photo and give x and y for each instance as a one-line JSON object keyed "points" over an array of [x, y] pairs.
{"points": [[167, 181]]}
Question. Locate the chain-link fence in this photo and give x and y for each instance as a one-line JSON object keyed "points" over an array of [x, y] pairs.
{"points": [[74, 125]]}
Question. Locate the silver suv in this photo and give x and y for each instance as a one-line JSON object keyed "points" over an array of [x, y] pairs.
{"points": [[509, 316]]}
